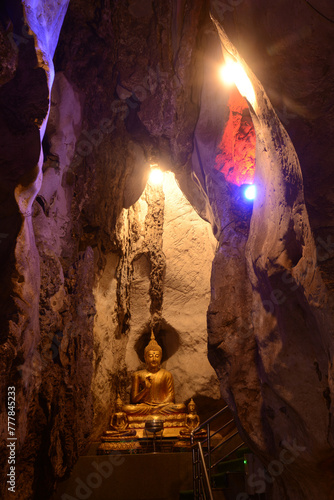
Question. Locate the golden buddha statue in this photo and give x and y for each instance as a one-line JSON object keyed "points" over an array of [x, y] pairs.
{"points": [[152, 391], [119, 437], [119, 422], [192, 421]]}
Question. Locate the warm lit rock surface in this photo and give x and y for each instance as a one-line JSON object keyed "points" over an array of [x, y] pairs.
{"points": [[188, 247], [126, 92]]}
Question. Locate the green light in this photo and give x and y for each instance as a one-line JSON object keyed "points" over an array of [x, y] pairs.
{"points": [[245, 461]]}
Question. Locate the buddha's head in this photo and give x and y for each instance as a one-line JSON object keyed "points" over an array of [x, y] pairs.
{"points": [[119, 404], [191, 406], [153, 354]]}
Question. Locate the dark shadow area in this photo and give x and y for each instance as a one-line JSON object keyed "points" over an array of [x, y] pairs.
{"points": [[167, 338], [206, 407]]}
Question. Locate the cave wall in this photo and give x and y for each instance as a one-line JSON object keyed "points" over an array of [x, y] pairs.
{"points": [[26, 83], [115, 107], [285, 332], [187, 249]]}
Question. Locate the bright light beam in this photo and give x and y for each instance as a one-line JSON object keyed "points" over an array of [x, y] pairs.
{"points": [[156, 176], [250, 192], [232, 72]]}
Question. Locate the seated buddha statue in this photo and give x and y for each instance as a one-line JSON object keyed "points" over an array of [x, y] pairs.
{"points": [[119, 425], [152, 389], [118, 421], [192, 421]]}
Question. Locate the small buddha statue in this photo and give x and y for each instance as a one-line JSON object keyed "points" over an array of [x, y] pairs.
{"points": [[192, 421], [152, 389], [119, 422]]}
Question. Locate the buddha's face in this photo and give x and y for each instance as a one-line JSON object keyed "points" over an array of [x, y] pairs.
{"points": [[191, 407], [153, 360]]}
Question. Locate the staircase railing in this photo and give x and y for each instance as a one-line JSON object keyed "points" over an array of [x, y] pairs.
{"points": [[202, 461]]}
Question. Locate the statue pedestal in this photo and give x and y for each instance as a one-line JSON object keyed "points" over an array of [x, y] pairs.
{"points": [[143, 446], [132, 439], [172, 424], [119, 446]]}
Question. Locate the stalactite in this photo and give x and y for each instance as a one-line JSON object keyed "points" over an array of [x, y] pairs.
{"points": [[153, 241]]}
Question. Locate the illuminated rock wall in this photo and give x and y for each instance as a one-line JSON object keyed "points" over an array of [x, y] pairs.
{"points": [[187, 249], [112, 111]]}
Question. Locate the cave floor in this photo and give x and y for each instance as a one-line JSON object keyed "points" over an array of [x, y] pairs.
{"points": [[144, 476]]}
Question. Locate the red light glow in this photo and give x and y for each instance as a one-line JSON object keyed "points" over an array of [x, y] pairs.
{"points": [[236, 154]]}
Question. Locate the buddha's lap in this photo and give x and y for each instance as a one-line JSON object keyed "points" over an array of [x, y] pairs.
{"points": [[153, 408]]}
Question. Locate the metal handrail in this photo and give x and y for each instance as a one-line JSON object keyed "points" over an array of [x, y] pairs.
{"points": [[209, 420], [224, 442], [206, 475], [220, 429], [200, 466], [227, 455]]}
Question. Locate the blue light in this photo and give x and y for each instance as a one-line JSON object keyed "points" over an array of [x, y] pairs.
{"points": [[250, 192]]}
